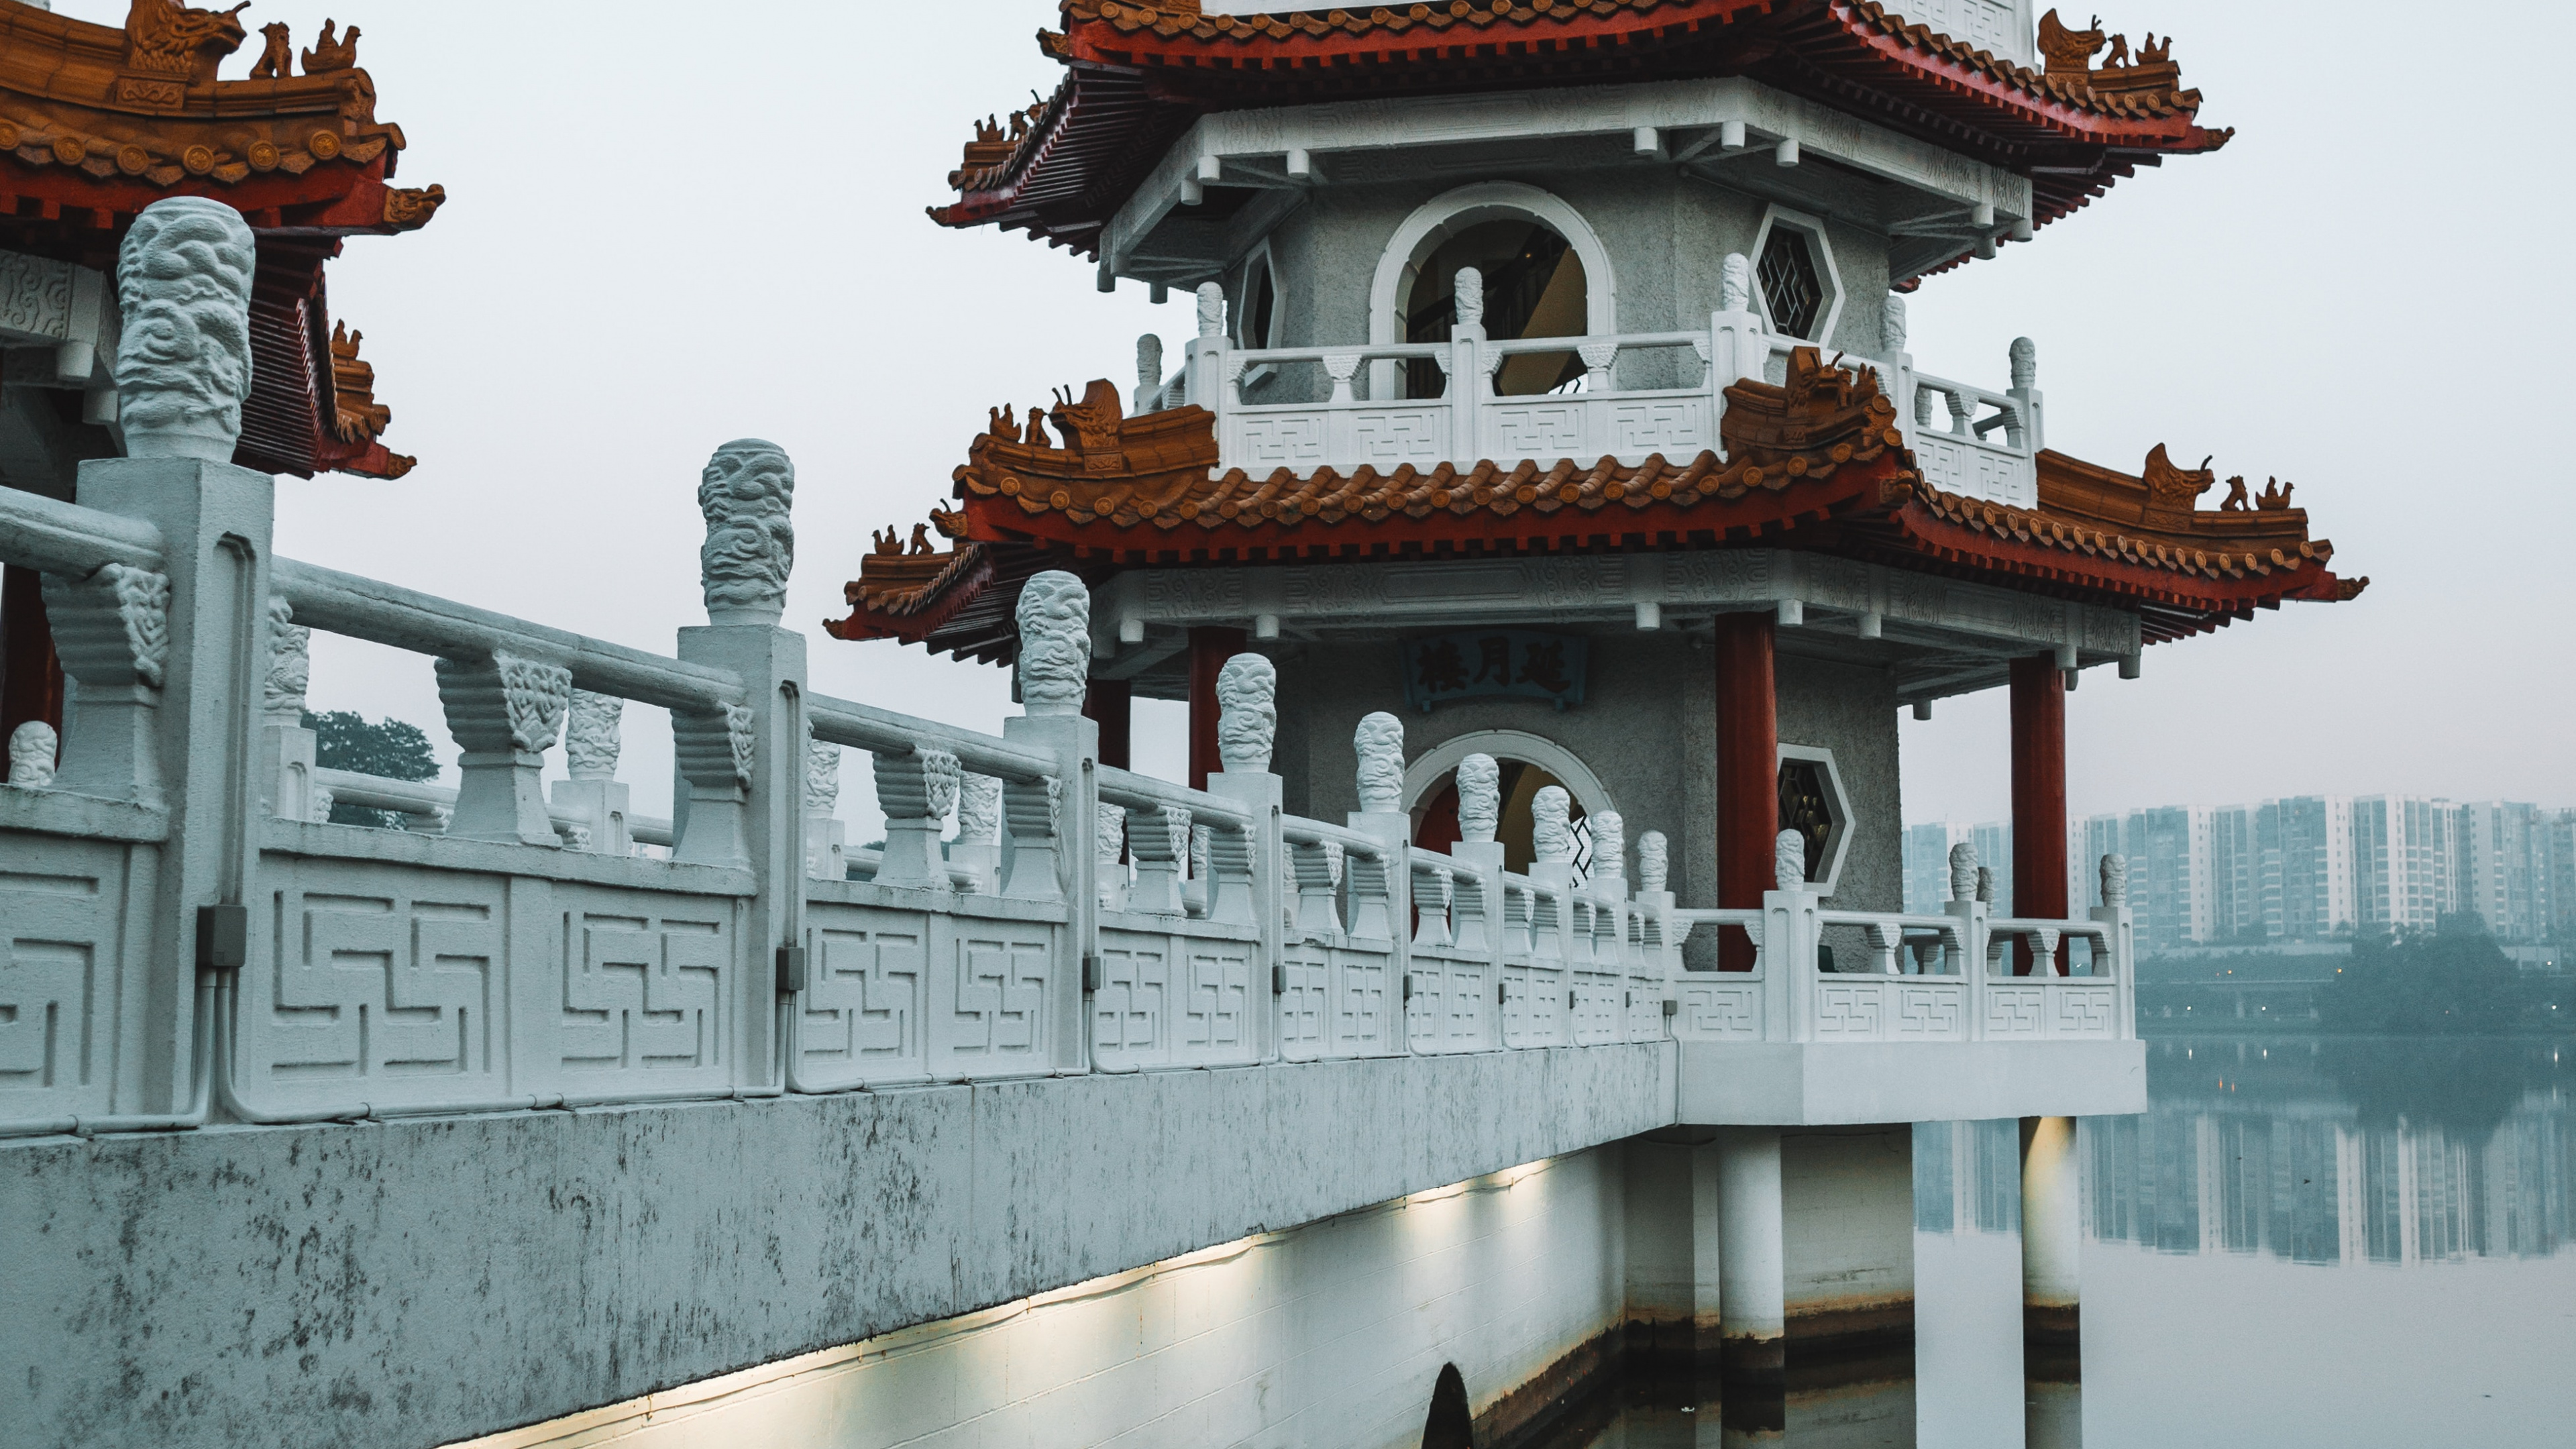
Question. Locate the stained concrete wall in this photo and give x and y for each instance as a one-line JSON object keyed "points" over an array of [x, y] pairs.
{"points": [[419, 1281], [1847, 1228], [1329, 1334]]}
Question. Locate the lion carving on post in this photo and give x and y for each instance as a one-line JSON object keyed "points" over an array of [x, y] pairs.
{"points": [[746, 494]]}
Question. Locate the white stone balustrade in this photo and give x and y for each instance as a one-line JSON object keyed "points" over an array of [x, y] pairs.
{"points": [[1353, 411], [751, 962]]}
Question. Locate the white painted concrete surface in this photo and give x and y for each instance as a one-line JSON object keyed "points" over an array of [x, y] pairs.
{"points": [[1328, 1334], [1796, 1083]]}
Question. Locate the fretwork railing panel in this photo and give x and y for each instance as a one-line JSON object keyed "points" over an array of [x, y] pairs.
{"points": [[1179, 996], [71, 969], [378, 986], [906, 986]]}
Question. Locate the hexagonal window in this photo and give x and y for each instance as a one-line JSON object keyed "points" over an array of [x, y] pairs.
{"points": [[1813, 804], [1801, 291], [1789, 283]]}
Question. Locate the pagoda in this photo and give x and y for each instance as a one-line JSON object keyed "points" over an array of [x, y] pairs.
{"points": [[1550, 382], [98, 122]]}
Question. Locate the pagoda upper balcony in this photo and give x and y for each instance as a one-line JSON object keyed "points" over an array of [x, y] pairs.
{"points": [[1627, 397]]}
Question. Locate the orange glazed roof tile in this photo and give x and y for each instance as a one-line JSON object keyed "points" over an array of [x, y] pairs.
{"points": [[1817, 463], [1139, 74], [98, 122]]}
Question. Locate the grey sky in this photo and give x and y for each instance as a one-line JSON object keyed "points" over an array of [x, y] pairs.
{"points": [[671, 225]]}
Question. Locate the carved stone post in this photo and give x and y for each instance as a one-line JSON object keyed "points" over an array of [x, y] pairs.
{"points": [[287, 749], [505, 713], [1789, 942], [2117, 960], [1207, 365], [826, 838], [32, 747], [1654, 867], [1052, 822], [200, 625], [1968, 907], [1149, 373], [1159, 840], [1378, 747], [979, 824], [593, 796], [1109, 856], [1247, 720], [1552, 837], [1737, 348], [2025, 431], [740, 797], [112, 634], [916, 791]]}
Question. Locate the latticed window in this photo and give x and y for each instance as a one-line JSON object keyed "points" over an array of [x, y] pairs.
{"points": [[1790, 284]]}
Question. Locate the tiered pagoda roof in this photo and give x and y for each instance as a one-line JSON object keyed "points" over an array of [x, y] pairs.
{"points": [[98, 122], [1815, 463], [1137, 75]]}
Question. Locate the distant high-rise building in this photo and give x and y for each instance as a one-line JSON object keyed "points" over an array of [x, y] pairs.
{"points": [[2306, 842], [2562, 876], [2505, 868], [2170, 875], [2404, 861]]}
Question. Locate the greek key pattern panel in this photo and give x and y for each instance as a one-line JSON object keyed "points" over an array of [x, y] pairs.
{"points": [[1294, 441], [1536, 1012], [67, 955], [2015, 1011], [377, 987], [1931, 1012], [1172, 999], [1600, 1008], [1537, 432], [1851, 1009], [1720, 1010], [988, 998], [1366, 995], [867, 990], [1419, 436], [1305, 997], [2086, 1013], [1678, 429]]}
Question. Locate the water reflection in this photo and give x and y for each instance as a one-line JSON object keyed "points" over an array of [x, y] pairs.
{"points": [[2303, 1241], [2338, 1151]]}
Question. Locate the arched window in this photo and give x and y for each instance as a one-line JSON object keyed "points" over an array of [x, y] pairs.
{"points": [[1533, 287], [1530, 763], [1546, 275]]}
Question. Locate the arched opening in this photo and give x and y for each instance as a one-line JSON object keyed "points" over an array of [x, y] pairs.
{"points": [[1546, 275], [1529, 763], [1450, 1425], [1533, 287]]}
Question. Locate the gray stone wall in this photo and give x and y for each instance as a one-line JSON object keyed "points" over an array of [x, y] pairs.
{"points": [[419, 1281]]}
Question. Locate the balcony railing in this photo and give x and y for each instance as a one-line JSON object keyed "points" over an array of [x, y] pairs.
{"points": [[1639, 395]]}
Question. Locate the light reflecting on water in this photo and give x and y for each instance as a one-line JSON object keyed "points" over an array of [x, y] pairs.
{"points": [[2339, 1243]]}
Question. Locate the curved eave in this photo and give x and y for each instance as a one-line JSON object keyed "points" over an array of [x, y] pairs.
{"points": [[2174, 602], [942, 597]]}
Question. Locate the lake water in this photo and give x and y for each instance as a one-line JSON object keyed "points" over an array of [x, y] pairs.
{"points": [[2304, 1241]]}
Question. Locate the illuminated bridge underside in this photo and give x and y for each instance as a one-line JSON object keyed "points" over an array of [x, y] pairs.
{"points": [[565, 1260]]}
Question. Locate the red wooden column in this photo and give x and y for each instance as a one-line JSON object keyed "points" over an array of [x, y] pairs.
{"points": [[31, 678], [1210, 647], [1109, 704], [2038, 798], [1748, 773]]}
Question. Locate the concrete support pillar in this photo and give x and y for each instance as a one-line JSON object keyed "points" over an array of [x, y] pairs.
{"points": [[1748, 773], [1209, 649], [1671, 1256], [1751, 1256], [2050, 1232], [2039, 799]]}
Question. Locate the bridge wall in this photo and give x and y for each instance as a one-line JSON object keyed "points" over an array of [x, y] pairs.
{"points": [[1329, 1334], [416, 1281]]}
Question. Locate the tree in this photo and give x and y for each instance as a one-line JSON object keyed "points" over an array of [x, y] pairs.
{"points": [[2453, 981], [393, 749]]}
